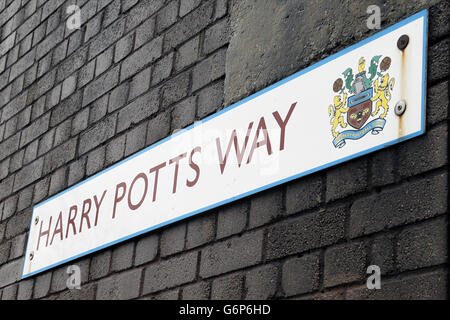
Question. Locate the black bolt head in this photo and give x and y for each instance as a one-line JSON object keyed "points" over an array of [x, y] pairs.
{"points": [[403, 42]]}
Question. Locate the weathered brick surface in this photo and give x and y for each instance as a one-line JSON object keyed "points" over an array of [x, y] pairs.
{"points": [[170, 273], [301, 275], [246, 250], [121, 286], [262, 282], [344, 263], [306, 232], [73, 102], [229, 287]]}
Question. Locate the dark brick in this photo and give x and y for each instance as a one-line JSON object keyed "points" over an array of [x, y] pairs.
{"points": [[172, 239], [162, 69], [6, 186], [66, 108], [170, 273], [167, 295], [141, 108], [4, 252], [304, 193], [42, 285], [197, 291], [210, 99], [146, 249], [383, 171], [229, 287], [158, 128], [9, 146], [46, 142], [115, 150], [33, 131], [424, 153], [437, 103], [100, 86], [128, 4], [10, 272], [112, 13], [144, 33], [41, 189], [425, 286], [261, 283], [190, 25], [60, 276], [187, 6], [399, 205], [140, 83], [140, 58], [104, 61], [106, 38], [86, 74], [135, 139], [118, 97], [175, 89], [200, 230], [216, 36], [60, 156], [265, 207], [209, 69], [57, 181], [438, 17], [100, 265], [422, 245], [28, 174], [438, 61], [87, 292], [344, 263], [183, 113], [231, 254], [140, 12], [10, 292], [122, 257], [232, 219], [382, 253], [4, 168], [62, 132], [25, 290], [301, 275], [122, 286], [188, 53], [123, 47], [306, 232], [346, 179], [80, 121], [98, 134], [15, 105], [71, 64], [18, 246], [95, 161], [167, 16]]}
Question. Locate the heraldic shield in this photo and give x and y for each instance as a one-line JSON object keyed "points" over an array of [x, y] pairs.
{"points": [[360, 108]]}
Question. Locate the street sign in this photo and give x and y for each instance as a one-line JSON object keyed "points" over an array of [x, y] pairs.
{"points": [[364, 98]]}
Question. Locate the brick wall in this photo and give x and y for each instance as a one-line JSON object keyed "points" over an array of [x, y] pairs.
{"points": [[73, 102]]}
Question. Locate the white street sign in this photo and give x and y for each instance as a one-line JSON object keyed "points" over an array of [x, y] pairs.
{"points": [[333, 111]]}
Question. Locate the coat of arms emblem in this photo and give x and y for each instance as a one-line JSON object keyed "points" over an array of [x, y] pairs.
{"points": [[363, 97]]}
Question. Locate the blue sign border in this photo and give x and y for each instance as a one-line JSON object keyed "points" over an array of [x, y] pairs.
{"points": [[423, 13]]}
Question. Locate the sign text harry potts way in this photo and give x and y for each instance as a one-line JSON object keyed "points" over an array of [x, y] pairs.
{"points": [[331, 112]]}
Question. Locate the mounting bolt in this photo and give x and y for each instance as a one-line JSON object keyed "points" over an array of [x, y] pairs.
{"points": [[36, 220], [400, 107], [402, 42], [31, 255]]}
